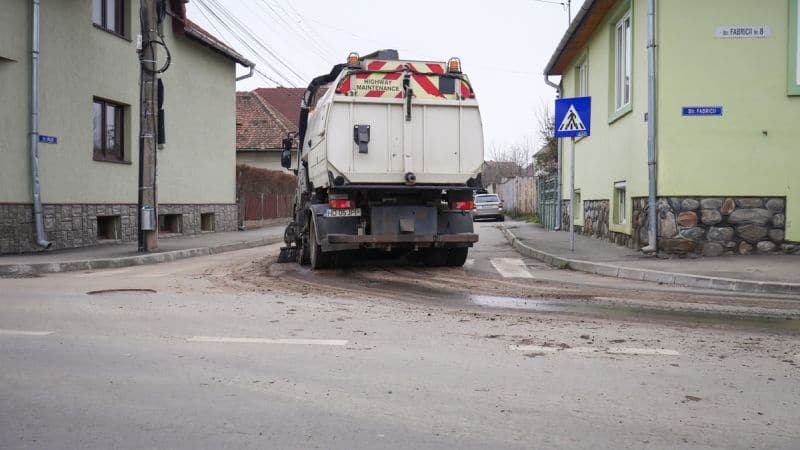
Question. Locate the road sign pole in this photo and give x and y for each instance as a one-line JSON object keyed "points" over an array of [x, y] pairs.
{"points": [[572, 197]]}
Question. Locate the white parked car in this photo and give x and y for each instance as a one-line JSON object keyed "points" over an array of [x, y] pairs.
{"points": [[488, 206]]}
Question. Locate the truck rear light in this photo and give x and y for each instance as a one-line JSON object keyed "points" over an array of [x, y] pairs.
{"points": [[463, 205], [341, 202], [502, 204]]}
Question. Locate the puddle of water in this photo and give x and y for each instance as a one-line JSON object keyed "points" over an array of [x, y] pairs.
{"points": [[629, 312]]}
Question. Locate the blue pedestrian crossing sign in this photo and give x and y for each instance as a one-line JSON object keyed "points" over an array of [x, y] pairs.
{"points": [[573, 117]]}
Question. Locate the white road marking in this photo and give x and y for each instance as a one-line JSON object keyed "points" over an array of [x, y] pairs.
{"points": [[642, 351], [612, 350], [105, 273], [24, 333], [511, 267], [246, 340], [151, 275], [539, 348], [469, 263]]}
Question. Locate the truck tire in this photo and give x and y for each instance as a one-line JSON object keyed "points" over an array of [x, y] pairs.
{"points": [[318, 258], [435, 257], [457, 256]]}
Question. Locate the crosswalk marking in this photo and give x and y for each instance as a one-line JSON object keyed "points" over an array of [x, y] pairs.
{"points": [[24, 333], [611, 350], [104, 273], [511, 267], [249, 340]]}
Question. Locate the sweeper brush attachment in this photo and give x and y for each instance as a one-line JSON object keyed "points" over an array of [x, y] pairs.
{"points": [[289, 254]]}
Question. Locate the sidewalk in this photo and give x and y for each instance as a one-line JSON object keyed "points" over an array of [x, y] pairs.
{"points": [[776, 274], [112, 255]]}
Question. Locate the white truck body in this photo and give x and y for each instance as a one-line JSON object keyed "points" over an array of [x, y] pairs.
{"points": [[442, 143], [390, 157]]}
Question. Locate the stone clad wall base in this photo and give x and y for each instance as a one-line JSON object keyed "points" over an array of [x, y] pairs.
{"points": [[75, 225], [714, 226], [595, 222], [709, 226]]}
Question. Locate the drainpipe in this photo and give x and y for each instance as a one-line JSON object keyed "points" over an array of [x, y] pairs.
{"points": [[37, 194], [652, 245], [249, 74], [558, 172]]}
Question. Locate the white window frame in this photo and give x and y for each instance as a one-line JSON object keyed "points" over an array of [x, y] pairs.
{"points": [[577, 208], [623, 34], [583, 78], [620, 206], [793, 87]]}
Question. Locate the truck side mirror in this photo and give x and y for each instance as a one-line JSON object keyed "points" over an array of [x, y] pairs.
{"points": [[286, 154], [286, 158]]}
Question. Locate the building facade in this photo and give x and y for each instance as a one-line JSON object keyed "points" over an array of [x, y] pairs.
{"points": [[727, 104], [89, 122]]}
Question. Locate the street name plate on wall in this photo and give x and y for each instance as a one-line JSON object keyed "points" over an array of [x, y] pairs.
{"points": [[746, 32], [702, 110], [48, 139]]}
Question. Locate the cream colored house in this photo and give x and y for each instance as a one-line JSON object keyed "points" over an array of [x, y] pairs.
{"points": [[726, 103], [89, 125]]}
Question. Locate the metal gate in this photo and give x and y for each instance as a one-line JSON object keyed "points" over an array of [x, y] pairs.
{"points": [[548, 202]]}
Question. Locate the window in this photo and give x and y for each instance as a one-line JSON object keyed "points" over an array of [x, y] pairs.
{"points": [[108, 131], [207, 222], [582, 78], [109, 15], [108, 227], [620, 212], [486, 198], [170, 223], [622, 62], [794, 48]]}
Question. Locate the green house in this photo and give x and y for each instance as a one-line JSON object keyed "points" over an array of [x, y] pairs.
{"points": [[726, 123]]}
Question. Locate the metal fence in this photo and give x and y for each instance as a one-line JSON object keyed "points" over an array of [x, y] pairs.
{"points": [[520, 195], [548, 201]]}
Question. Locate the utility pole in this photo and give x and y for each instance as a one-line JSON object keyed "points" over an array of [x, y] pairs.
{"points": [[148, 200]]}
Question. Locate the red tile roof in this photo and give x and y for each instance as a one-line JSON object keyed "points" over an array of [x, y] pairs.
{"points": [[285, 100], [259, 126], [182, 25]]}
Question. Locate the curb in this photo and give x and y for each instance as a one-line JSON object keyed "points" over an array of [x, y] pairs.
{"points": [[128, 261], [672, 278]]}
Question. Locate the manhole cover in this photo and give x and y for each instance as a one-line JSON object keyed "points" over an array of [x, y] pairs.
{"points": [[125, 291]]}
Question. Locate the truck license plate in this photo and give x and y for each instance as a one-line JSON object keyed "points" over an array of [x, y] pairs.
{"points": [[348, 212]]}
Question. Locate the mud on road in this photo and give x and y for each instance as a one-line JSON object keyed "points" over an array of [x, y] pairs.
{"points": [[463, 290]]}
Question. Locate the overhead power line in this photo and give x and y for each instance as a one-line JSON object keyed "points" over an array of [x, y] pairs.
{"points": [[255, 39], [248, 39], [314, 36], [257, 71]]}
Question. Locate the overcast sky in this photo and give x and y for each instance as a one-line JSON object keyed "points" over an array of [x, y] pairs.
{"points": [[503, 45]]}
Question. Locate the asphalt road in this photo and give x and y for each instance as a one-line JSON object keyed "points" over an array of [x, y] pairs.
{"points": [[234, 351]]}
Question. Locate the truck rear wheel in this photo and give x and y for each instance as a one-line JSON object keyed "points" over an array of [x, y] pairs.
{"points": [[435, 257], [457, 256], [318, 258]]}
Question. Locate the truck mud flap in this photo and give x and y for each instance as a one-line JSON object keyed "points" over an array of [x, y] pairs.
{"points": [[326, 226]]}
